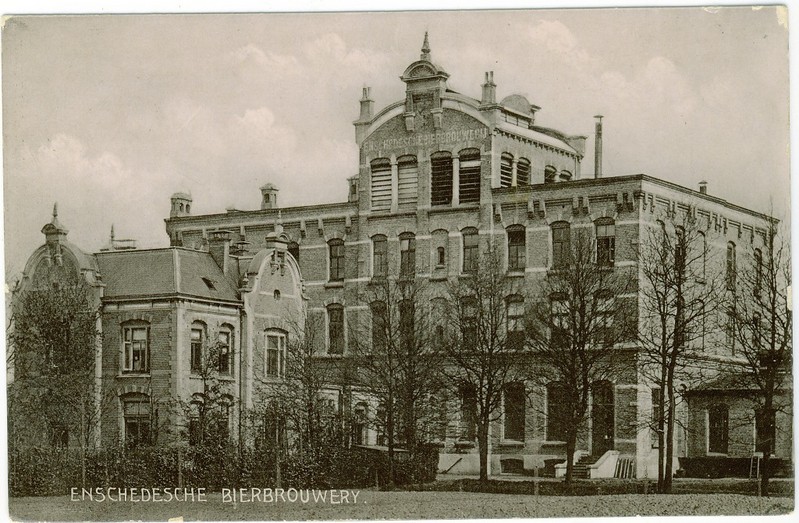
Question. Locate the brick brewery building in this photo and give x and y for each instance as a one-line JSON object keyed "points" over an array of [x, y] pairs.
{"points": [[439, 174]]}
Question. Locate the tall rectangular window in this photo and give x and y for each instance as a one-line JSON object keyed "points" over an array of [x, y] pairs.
{"points": [[556, 417], [514, 403], [136, 411], [517, 250], [470, 250], [605, 243], [407, 255], [197, 338], [718, 429], [379, 334], [561, 245], [379, 257], [441, 179], [136, 352], [559, 321], [469, 176], [468, 413], [731, 267], [335, 321], [275, 354], [515, 338], [224, 345], [336, 260]]}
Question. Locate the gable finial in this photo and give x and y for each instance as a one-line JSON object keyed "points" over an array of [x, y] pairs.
{"points": [[426, 48], [55, 210], [112, 233]]}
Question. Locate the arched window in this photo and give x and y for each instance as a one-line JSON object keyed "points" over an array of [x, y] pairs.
{"points": [[550, 173], [605, 242], [379, 256], [136, 412], [381, 184], [468, 323], [718, 426], [515, 319], [379, 325], [565, 176], [517, 249], [275, 342], [513, 402], [336, 247], [561, 245], [506, 170], [407, 254], [731, 266], [556, 420], [225, 350], [408, 182], [470, 250], [136, 348], [335, 329], [523, 172], [407, 317], [469, 176], [441, 178], [198, 335]]}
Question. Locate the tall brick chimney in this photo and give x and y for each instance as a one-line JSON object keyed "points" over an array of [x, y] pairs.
{"points": [[598, 147], [219, 248]]}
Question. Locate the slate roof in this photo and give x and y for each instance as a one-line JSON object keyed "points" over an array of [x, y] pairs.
{"points": [[160, 272]]}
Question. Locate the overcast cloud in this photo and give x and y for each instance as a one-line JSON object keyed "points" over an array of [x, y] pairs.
{"points": [[109, 115]]}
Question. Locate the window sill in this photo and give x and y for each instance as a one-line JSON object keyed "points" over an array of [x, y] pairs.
{"points": [[716, 454], [515, 273], [133, 375], [442, 277], [337, 284], [511, 443], [467, 275]]}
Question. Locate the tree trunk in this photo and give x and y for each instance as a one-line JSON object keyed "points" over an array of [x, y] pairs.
{"points": [[669, 443], [482, 443], [765, 471], [390, 437], [570, 447]]}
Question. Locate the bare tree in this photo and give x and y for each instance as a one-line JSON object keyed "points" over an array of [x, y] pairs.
{"points": [[678, 296], [392, 351], [208, 411], [481, 350], [578, 320], [52, 347], [763, 328]]}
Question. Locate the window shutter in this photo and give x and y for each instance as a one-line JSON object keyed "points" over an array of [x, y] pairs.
{"points": [[381, 185], [408, 183]]}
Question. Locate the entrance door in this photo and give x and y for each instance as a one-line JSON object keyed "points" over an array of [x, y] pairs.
{"points": [[602, 418]]}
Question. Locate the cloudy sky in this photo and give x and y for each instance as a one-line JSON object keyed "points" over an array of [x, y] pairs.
{"points": [[109, 115]]}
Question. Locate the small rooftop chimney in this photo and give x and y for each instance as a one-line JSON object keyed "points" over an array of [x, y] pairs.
{"points": [[489, 90], [219, 248], [703, 187], [367, 106], [598, 147]]}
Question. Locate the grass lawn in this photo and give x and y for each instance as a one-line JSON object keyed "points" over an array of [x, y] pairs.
{"points": [[403, 505]]}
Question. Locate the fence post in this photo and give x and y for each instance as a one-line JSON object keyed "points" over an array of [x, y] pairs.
{"points": [[180, 467]]}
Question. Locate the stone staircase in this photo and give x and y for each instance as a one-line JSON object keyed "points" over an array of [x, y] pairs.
{"points": [[582, 467]]}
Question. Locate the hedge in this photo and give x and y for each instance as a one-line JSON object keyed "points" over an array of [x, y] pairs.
{"points": [[51, 472]]}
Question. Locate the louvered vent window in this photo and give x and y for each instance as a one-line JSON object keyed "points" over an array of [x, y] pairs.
{"points": [[506, 170], [469, 185], [523, 172], [381, 184], [441, 179], [408, 173]]}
